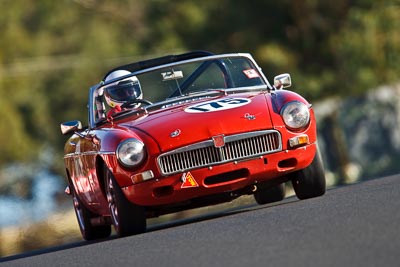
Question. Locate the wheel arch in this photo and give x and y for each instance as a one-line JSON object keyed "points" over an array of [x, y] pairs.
{"points": [[68, 176], [100, 164]]}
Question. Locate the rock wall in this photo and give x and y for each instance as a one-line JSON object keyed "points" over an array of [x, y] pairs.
{"points": [[360, 136]]}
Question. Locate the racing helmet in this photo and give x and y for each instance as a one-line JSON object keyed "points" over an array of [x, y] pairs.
{"points": [[123, 91]]}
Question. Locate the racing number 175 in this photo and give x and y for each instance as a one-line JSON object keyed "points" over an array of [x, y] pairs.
{"points": [[226, 103]]}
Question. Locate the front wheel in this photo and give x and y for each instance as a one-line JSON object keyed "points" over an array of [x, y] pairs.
{"points": [[127, 218], [84, 216], [310, 182], [265, 195]]}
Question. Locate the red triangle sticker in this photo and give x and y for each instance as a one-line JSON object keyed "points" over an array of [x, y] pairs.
{"points": [[188, 181]]}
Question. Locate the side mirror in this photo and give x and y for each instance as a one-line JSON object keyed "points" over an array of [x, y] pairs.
{"points": [[70, 126], [282, 81]]}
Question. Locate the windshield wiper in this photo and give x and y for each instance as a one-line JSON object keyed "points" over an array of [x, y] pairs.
{"points": [[195, 93], [187, 98]]}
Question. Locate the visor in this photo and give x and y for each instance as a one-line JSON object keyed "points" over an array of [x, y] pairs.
{"points": [[124, 91]]}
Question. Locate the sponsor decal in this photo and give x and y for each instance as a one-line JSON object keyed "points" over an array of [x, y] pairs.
{"points": [[249, 116], [251, 73], [171, 75], [188, 181], [218, 105]]}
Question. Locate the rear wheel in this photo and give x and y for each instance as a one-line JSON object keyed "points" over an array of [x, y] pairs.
{"points": [[265, 195], [128, 218], [84, 216], [310, 182]]}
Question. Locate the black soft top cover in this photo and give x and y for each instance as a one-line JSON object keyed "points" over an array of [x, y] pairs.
{"points": [[132, 67]]}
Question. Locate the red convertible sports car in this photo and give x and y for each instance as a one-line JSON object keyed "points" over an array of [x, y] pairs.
{"points": [[185, 131]]}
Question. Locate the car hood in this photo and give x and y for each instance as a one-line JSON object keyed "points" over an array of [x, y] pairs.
{"points": [[184, 124]]}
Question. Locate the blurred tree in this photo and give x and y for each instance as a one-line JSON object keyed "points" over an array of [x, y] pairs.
{"points": [[48, 64], [367, 47], [51, 52]]}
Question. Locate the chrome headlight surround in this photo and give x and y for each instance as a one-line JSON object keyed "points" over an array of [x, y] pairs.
{"points": [[295, 115], [131, 152]]}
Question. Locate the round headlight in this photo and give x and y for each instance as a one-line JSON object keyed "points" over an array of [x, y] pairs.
{"points": [[295, 115], [131, 152]]}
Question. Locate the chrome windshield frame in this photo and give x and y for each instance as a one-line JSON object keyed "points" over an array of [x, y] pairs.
{"points": [[91, 101], [91, 105]]}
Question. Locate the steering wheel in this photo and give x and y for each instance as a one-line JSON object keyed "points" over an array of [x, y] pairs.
{"points": [[132, 102]]}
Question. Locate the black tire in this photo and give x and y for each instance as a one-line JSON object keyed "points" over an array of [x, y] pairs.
{"points": [[310, 182], [127, 218], [265, 195], [84, 216]]}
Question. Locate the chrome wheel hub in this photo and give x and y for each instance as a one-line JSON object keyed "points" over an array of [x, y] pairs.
{"points": [[111, 202]]}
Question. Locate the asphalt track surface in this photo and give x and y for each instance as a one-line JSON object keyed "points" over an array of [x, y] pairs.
{"points": [[355, 225]]}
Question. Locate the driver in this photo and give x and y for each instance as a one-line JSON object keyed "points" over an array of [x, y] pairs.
{"points": [[122, 92]]}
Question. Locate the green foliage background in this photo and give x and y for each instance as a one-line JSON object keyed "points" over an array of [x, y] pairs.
{"points": [[51, 52]]}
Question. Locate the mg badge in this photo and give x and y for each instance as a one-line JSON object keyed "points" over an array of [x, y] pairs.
{"points": [[175, 133], [219, 140]]}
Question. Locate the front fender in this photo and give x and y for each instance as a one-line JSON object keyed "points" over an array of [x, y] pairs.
{"points": [[109, 158], [280, 97]]}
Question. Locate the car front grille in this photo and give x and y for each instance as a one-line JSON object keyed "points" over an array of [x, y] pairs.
{"points": [[235, 147]]}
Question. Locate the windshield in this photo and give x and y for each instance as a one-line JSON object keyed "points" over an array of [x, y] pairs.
{"points": [[191, 77], [199, 76]]}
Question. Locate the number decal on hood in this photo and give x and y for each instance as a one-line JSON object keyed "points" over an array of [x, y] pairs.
{"points": [[217, 105]]}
